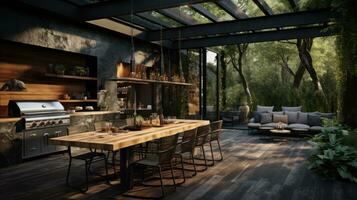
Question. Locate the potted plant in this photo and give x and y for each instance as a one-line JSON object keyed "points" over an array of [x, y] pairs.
{"points": [[81, 71], [71, 70], [59, 69]]}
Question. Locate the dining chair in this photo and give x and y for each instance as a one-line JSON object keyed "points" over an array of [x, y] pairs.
{"points": [[187, 146], [201, 139], [88, 158], [158, 158], [216, 129]]}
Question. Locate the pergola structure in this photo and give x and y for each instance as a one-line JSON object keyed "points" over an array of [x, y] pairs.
{"points": [[149, 18], [164, 22]]}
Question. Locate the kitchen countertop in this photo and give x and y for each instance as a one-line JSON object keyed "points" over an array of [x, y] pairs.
{"points": [[15, 119], [9, 119], [94, 113]]}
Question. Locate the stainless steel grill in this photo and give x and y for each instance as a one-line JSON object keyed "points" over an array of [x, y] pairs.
{"points": [[41, 120]]}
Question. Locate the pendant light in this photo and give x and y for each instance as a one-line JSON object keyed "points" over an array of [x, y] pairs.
{"points": [[179, 51], [132, 60], [162, 53]]}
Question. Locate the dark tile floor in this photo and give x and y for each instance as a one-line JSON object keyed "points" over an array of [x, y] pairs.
{"points": [[254, 167]]}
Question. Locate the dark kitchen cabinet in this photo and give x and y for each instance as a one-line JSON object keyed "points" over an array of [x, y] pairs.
{"points": [[36, 142]]}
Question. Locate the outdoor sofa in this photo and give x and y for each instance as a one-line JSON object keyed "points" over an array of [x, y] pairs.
{"points": [[291, 118]]}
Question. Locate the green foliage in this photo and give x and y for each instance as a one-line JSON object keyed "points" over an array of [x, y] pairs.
{"points": [[334, 159]]}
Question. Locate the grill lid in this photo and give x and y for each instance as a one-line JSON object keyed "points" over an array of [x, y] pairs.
{"points": [[23, 107]]}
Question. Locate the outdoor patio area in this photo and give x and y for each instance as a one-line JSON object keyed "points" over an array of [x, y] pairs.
{"points": [[254, 167], [178, 99]]}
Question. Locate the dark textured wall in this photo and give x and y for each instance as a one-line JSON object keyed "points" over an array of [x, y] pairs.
{"points": [[28, 26]]}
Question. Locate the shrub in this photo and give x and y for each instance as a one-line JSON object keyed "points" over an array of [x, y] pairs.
{"points": [[333, 158]]}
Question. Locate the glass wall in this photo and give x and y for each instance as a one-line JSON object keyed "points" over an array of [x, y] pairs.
{"points": [[211, 77]]}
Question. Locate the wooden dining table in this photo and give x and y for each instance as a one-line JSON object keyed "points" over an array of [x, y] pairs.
{"points": [[124, 142]]}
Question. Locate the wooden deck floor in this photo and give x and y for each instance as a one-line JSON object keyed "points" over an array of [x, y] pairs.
{"points": [[255, 167]]}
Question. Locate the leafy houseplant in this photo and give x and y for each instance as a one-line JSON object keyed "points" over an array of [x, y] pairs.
{"points": [[333, 158], [59, 69]]}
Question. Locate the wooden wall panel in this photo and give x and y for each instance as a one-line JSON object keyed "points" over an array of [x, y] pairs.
{"points": [[29, 64]]}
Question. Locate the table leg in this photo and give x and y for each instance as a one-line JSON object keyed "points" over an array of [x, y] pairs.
{"points": [[126, 178]]}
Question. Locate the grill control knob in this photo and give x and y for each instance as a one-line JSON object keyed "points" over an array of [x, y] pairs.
{"points": [[48, 123], [53, 122], [41, 124], [60, 122], [34, 124]]}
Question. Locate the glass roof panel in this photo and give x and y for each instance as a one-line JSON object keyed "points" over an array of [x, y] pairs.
{"points": [[165, 20], [216, 10], [249, 7], [279, 7], [195, 15]]}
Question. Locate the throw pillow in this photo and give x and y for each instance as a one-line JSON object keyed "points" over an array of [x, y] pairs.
{"points": [[291, 109], [292, 116], [257, 117], [280, 118], [314, 120], [265, 108], [266, 118], [302, 118]]}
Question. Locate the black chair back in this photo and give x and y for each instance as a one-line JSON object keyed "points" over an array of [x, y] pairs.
{"points": [[188, 141], [166, 148], [202, 135], [216, 128]]}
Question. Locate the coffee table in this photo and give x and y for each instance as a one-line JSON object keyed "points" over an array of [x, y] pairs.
{"points": [[280, 131]]}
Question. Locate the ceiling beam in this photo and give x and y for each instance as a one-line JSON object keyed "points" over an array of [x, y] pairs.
{"points": [[264, 7], [257, 37], [177, 15], [204, 12], [59, 7], [123, 7], [232, 9], [250, 24]]}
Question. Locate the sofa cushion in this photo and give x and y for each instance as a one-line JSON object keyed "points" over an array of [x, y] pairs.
{"points": [[265, 108], [278, 113], [266, 118], [298, 126], [280, 118], [316, 128], [292, 116], [302, 118], [291, 109], [257, 116], [254, 125], [326, 115], [314, 120], [274, 125]]}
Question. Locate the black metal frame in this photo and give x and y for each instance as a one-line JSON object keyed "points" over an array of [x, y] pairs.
{"points": [[191, 31]]}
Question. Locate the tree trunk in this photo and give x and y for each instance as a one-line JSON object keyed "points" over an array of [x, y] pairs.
{"points": [[223, 81], [304, 47], [242, 48], [298, 76]]}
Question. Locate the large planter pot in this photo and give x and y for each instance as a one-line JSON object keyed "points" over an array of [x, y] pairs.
{"points": [[244, 112]]}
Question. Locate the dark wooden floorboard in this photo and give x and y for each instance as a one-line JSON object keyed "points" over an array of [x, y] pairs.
{"points": [[254, 167]]}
